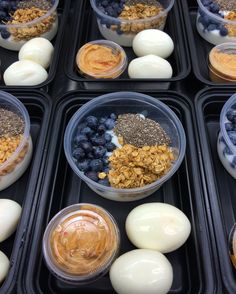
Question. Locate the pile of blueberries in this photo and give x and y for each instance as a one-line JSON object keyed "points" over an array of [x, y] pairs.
{"points": [[208, 23], [7, 8], [91, 144]]}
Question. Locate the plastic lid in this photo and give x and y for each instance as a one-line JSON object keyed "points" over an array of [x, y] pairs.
{"points": [[80, 242]]}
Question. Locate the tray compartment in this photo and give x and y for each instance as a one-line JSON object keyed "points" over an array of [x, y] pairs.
{"points": [[194, 265], [23, 191]]}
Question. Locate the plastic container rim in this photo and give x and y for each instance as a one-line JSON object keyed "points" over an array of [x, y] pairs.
{"points": [[112, 97]]}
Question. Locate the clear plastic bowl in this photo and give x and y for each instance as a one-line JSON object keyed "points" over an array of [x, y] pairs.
{"points": [[226, 149], [232, 245], [128, 102], [122, 31], [80, 243], [13, 168], [45, 26], [94, 72], [214, 28]]}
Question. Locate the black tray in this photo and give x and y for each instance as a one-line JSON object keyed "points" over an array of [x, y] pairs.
{"points": [[84, 29], [8, 56], [199, 47], [24, 190], [195, 268], [219, 184]]}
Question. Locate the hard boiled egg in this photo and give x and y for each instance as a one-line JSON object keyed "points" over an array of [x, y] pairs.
{"points": [[141, 271], [10, 212], [150, 66], [4, 266], [39, 50], [153, 42], [157, 226], [24, 73]]}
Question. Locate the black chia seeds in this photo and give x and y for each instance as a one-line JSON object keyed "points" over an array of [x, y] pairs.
{"points": [[146, 2], [42, 4], [10, 123], [226, 5], [139, 131]]}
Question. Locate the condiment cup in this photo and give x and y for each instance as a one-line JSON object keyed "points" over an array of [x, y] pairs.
{"points": [[232, 245]]}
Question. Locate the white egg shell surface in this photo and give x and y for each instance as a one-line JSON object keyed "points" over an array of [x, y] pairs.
{"points": [[141, 271], [24, 73], [4, 266], [153, 42], [39, 50], [157, 226], [10, 212], [150, 67]]}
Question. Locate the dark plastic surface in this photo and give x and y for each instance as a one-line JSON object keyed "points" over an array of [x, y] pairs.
{"points": [[220, 185], [8, 57], [85, 29], [194, 265], [199, 47], [24, 190]]}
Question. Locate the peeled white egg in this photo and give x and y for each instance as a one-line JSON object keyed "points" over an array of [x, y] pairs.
{"points": [[4, 266], [10, 212], [150, 66], [39, 50], [141, 271], [153, 42], [24, 73], [157, 226]]}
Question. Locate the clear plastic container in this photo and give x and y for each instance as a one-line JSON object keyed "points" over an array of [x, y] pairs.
{"points": [[128, 102], [232, 245], [13, 36], [123, 31], [222, 63], [213, 27], [91, 64], [80, 243], [15, 165], [225, 147]]}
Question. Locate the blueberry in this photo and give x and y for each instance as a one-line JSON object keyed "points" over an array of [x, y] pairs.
{"points": [[90, 155], [2, 15], [83, 165], [108, 137], [4, 5], [205, 21], [223, 31], [206, 2], [104, 3], [96, 165], [227, 151], [110, 123], [214, 8], [92, 122], [106, 170], [229, 126], [99, 152], [102, 120], [115, 6], [104, 182], [105, 160], [5, 34], [78, 153], [86, 131], [119, 31], [80, 138], [212, 27], [99, 141], [232, 136], [233, 106], [108, 25], [86, 146], [92, 175], [101, 129], [230, 115], [113, 116], [110, 147]]}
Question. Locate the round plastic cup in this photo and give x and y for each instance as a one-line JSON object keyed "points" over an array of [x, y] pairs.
{"points": [[113, 73], [13, 168], [232, 245], [226, 149], [221, 66], [80, 243], [122, 31], [120, 103], [21, 33], [213, 28]]}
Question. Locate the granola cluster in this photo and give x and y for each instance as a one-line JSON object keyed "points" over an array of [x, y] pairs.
{"points": [[139, 11], [231, 28], [133, 167]]}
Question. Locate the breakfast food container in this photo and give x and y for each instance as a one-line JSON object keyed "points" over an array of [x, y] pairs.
{"points": [[80, 243], [232, 245], [128, 102], [26, 20], [226, 143], [122, 31], [216, 26], [19, 143]]}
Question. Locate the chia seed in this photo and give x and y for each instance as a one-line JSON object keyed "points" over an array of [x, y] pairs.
{"points": [[226, 5], [42, 4], [139, 131], [10, 123], [147, 2]]}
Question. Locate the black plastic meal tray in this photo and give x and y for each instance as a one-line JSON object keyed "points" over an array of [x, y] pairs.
{"points": [[199, 47], [220, 185], [195, 267], [84, 28], [24, 190], [8, 57]]}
